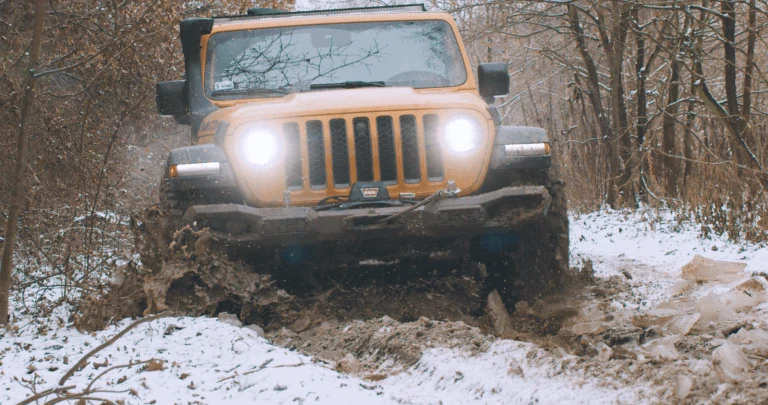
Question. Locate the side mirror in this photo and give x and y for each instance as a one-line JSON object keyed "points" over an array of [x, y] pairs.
{"points": [[172, 98], [494, 80]]}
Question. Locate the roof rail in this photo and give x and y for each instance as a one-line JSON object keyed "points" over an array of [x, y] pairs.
{"points": [[270, 13]]}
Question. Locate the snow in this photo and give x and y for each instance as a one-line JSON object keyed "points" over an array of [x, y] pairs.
{"points": [[652, 247], [510, 372], [222, 363]]}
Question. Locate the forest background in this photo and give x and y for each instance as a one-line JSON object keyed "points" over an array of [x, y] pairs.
{"points": [[659, 105]]}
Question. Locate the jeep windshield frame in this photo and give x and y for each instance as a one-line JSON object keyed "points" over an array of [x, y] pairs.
{"points": [[272, 62]]}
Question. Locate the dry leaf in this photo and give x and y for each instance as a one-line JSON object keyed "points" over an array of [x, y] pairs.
{"points": [[154, 365], [375, 377]]}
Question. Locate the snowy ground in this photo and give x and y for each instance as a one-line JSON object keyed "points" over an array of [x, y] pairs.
{"points": [[206, 361], [652, 249]]}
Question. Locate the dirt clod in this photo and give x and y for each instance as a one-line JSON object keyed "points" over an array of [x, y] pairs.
{"points": [[183, 275]]}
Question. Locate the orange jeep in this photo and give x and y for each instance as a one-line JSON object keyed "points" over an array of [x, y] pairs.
{"points": [[330, 138]]}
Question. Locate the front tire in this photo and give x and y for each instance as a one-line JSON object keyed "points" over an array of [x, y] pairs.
{"points": [[538, 264], [173, 207]]}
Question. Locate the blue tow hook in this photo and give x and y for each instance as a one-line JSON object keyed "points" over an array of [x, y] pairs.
{"points": [[498, 241], [296, 254]]}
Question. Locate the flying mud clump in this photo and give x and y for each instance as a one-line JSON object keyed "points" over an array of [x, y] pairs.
{"points": [[184, 276]]}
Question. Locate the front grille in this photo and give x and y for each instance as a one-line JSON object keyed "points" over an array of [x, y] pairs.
{"points": [[363, 149], [460, 216], [410, 141], [293, 177], [387, 154], [316, 150], [434, 152], [339, 153], [284, 226]]}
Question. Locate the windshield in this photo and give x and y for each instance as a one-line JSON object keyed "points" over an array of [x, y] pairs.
{"points": [[275, 61]]}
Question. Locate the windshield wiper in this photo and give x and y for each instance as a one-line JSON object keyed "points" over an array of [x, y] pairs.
{"points": [[254, 91], [346, 85]]}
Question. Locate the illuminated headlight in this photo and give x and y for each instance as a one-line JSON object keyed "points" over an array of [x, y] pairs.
{"points": [[463, 135], [260, 147]]}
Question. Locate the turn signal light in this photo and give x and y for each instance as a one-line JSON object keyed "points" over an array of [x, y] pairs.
{"points": [[527, 149]]}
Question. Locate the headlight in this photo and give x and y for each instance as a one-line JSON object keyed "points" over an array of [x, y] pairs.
{"points": [[259, 147], [463, 135]]}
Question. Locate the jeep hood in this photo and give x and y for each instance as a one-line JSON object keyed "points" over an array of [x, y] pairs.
{"points": [[348, 101]]}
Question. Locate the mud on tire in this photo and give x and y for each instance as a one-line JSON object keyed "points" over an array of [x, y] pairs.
{"points": [[539, 264], [172, 206]]}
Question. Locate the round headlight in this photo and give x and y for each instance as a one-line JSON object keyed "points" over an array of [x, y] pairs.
{"points": [[463, 135], [259, 147]]}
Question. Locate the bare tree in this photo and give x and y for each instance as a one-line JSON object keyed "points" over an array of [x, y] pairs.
{"points": [[695, 137], [18, 191]]}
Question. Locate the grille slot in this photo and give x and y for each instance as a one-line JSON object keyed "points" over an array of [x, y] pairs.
{"points": [[284, 226], [339, 153], [387, 158], [293, 176], [363, 151], [410, 145], [316, 150], [433, 151], [461, 216]]}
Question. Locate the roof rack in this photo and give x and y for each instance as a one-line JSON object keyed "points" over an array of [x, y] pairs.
{"points": [[270, 13]]}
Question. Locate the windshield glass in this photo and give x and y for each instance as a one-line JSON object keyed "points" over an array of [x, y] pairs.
{"points": [[275, 61]]}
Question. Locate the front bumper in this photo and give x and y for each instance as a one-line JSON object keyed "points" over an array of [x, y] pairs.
{"points": [[461, 217]]}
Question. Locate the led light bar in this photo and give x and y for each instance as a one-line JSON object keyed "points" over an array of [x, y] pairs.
{"points": [[267, 13], [527, 149], [195, 169]]}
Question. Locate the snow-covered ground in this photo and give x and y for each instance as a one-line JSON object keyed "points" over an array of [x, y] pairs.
{"points": [[652, 249], [206, 361]]}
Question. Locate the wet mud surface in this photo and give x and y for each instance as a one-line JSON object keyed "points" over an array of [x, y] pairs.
{"points": [[379, 321]]}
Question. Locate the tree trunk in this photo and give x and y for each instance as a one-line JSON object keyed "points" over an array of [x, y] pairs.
{"points": [[750, 60], [621, 145], [729, 36], [640, 75], [688, 135], [18, 191], [671, 168]]}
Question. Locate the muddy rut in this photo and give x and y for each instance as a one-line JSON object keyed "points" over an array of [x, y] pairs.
{"points": [[379, 320]]}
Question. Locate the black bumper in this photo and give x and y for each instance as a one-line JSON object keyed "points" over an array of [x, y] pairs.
{"points": [[462, 217]]}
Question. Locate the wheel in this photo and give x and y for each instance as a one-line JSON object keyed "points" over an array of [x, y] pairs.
{"points": [[543, 260], [173, 207], [538, 261]]}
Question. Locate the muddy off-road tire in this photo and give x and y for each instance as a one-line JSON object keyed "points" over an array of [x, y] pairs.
{"points": [[539, 263], [174, 204], [173, 207]]}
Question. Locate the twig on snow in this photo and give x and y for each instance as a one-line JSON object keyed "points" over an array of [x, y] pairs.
{"points": [[44, 394], [82, 362]]}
